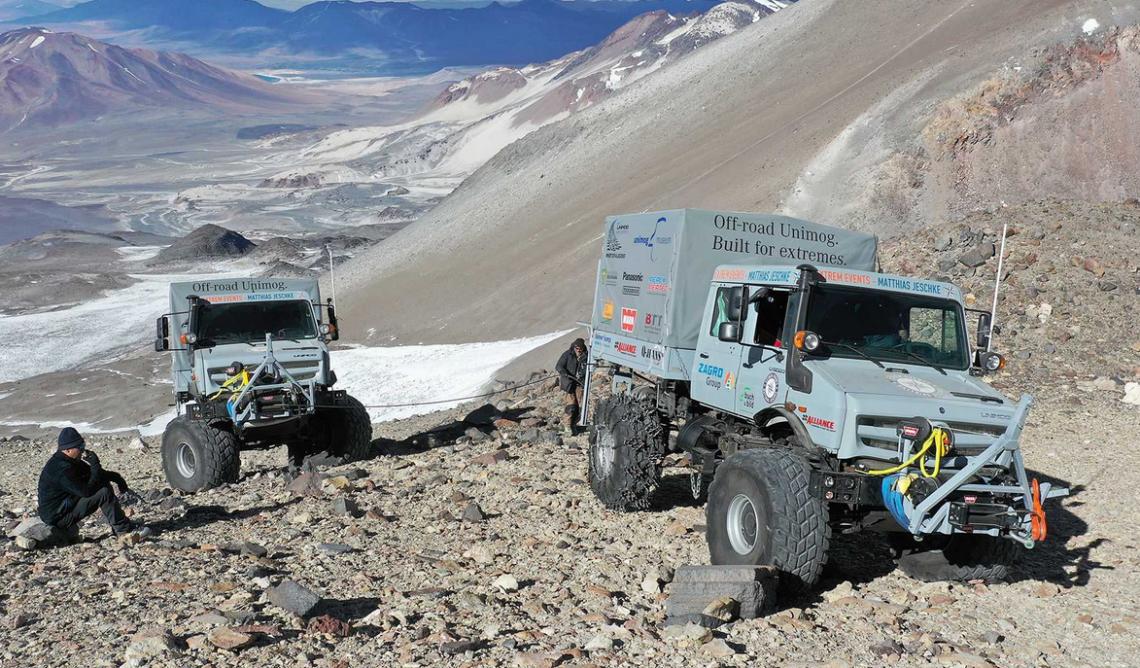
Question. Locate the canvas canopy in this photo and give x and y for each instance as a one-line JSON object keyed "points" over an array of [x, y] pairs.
{"points": [[656, 268]]}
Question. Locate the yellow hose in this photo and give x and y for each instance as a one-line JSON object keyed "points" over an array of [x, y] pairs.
{"points": [[243, 377], [939, 441]]}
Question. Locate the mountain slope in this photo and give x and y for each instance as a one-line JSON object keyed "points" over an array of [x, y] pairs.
{"points": [[50, 79], [472, 120], [514, 250]]}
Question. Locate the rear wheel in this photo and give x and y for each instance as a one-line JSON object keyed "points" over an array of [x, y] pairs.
{"points": [[197, 455], [957, 558], [761, 514], [627, 446]]}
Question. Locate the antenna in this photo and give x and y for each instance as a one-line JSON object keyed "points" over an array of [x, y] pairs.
{"points": [[332, 272], [997, 287]]}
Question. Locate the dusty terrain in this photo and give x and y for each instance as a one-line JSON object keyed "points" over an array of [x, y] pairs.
{"points": [[416, 584]]}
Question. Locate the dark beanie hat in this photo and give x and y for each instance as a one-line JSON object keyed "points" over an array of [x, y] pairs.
{"points": [[578, 343], [68, 439]]}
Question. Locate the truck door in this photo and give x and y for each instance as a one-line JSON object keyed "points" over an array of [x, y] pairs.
{"points": [[718, 362], [761, 378]]}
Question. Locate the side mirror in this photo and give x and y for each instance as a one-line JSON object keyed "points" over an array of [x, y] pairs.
{"points": [[736, 304], [729, 332], [162, 334], [333, 325], [984, 330]]}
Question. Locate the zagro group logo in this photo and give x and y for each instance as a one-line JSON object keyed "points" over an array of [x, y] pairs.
{"points": [[628, 319], [653, 241]]}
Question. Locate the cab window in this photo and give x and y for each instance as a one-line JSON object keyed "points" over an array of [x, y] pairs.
{"points": [[770, 312], [720, 310]]}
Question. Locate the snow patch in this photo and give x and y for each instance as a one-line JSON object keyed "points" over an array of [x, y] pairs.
{"points": [[415, 374], [88, 332], [139, 253], [40, 40], [1090, 26]]}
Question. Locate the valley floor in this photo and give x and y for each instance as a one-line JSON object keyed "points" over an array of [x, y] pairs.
{"points": [[417, 585]]}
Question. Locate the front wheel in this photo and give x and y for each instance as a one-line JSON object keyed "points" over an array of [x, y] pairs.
{"points": [[197, 455], [627, 446], [349, 429], [761, 514], [957, 558]]}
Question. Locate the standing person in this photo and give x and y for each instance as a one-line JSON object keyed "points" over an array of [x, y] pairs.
{"points": [[572, 373], [73, 485]]}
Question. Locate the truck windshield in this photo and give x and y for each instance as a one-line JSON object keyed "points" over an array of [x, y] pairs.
{"points": [[889, 326], [249, 322]]}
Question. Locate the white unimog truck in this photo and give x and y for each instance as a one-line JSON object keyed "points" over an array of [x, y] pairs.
{"points": [[251, 370], [811, 393]]}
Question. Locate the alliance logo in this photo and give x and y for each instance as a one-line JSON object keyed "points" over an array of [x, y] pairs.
{"points": [[627, 349], [652, 241], [828, 425], [628, 319]]}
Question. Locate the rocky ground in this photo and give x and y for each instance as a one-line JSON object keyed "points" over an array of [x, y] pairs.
{"points": [[473, 539]]}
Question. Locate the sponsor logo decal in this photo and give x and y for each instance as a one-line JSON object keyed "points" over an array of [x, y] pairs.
{"points": [[916, 385], [603, 339], [607, 310], [657, 284], [655, 355], [630, 291], [729, 381], [613, 244], [627, 348], [653, 241], [634, 278], [710, 370], [773, 275], [828, 425], [628, 319], [771, 387], [749, 397], [730, 275]]}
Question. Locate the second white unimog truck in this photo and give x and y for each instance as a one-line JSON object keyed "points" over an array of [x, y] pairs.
{"points": [[811, 393], [251, 370]]}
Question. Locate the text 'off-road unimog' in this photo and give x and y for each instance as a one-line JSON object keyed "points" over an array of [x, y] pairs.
{"points": [[251, 370], [812, 392]]}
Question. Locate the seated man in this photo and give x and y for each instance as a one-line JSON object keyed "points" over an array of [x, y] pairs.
{"points": [[73, 486]]}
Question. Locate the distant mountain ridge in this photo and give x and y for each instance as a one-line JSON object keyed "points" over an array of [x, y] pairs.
{"points": [[50, 79], [404, 35]]}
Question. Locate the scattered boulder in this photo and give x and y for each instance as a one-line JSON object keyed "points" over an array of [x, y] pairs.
{"points": [[152, 643], [330, 625], [473, 513], [695, 590], [491, 458], [293, 597], [229, 639]]}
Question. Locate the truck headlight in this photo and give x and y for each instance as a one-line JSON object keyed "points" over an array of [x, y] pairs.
{"points": [[993, 362], [326, 329], [807, 341]]}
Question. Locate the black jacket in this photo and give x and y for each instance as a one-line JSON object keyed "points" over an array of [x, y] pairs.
{"points": [[64, 481], [572, 370]]}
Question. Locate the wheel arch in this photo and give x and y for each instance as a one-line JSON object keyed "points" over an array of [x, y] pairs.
{"points": [[799, 429]]}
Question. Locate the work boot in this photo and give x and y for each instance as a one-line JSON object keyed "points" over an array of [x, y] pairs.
{"points": [[137, 530]]}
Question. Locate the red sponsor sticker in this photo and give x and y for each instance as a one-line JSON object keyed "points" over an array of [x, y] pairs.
{"points": [[627, 349], [822, 424], [628, 319]]}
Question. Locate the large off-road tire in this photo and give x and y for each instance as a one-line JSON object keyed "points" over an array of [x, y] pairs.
{"points": [[958, 558], [627, 446], [761, 514], [349, 429], [197, 455]]}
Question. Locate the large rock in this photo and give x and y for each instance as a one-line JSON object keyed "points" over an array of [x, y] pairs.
{"points": [[293, 597], [33, 528], [695, 588], [151, 643]]}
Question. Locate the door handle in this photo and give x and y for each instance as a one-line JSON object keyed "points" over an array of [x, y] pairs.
{"points": [[746, 365], [704, 356]]}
